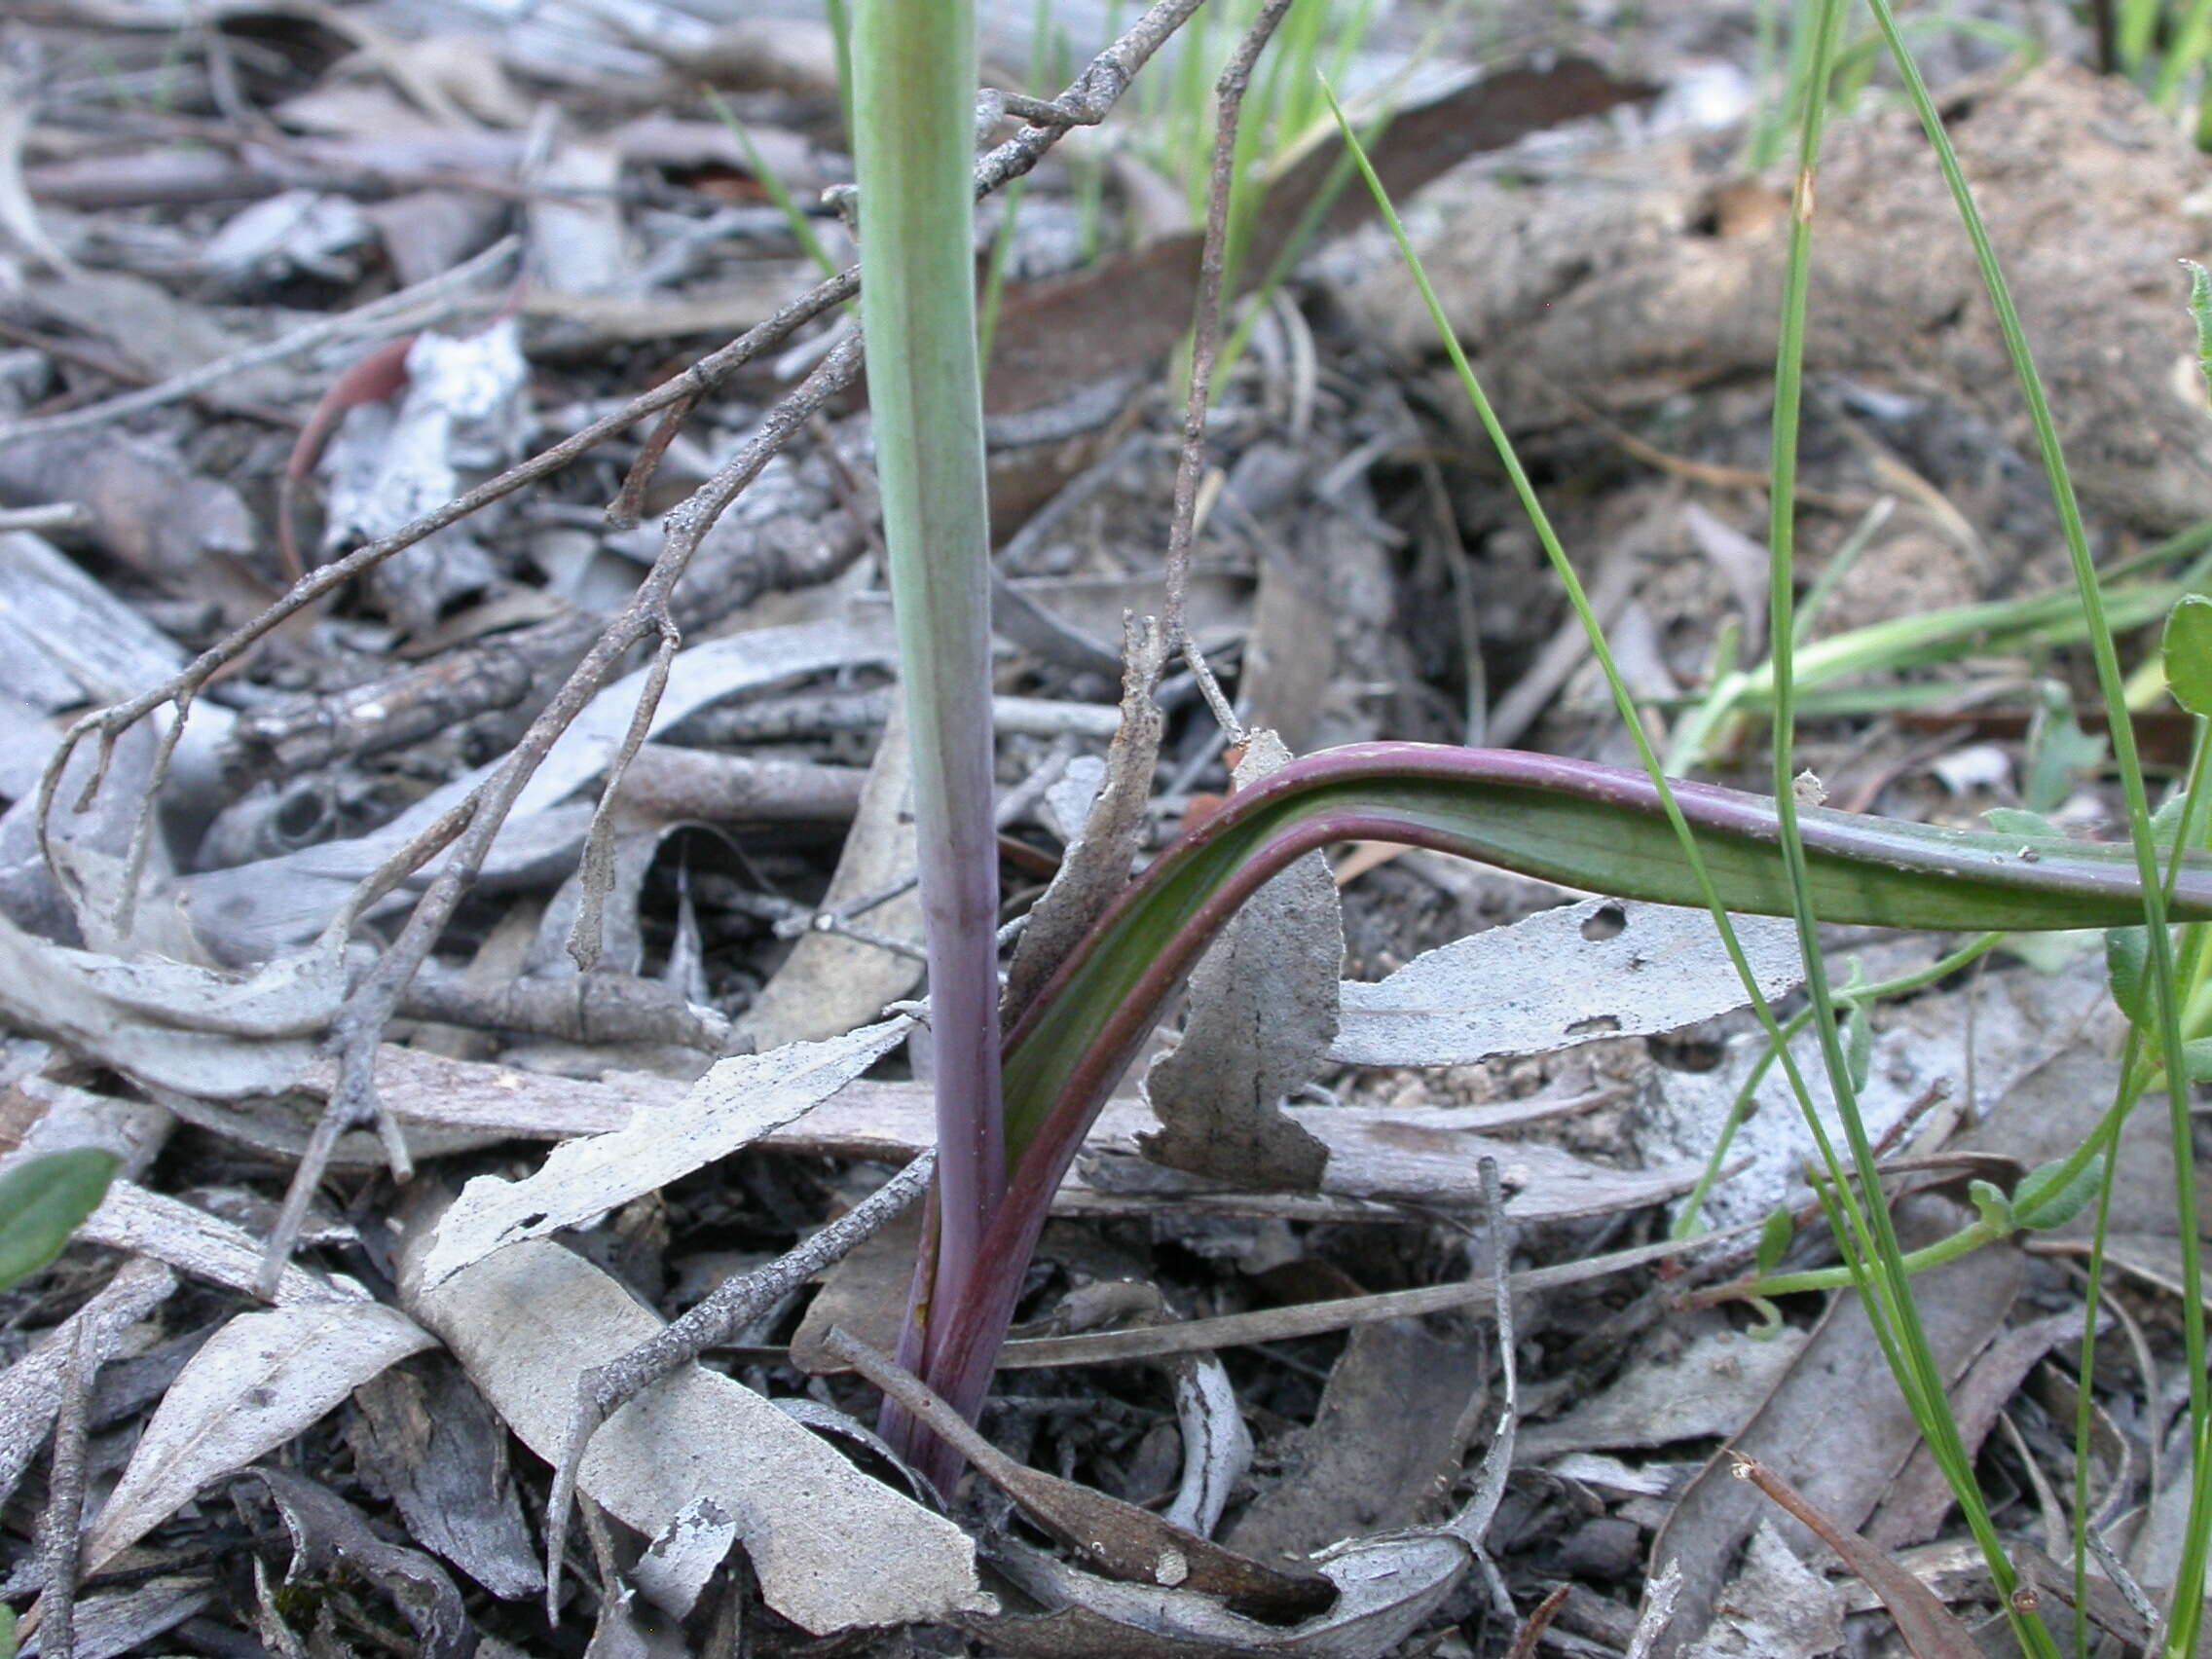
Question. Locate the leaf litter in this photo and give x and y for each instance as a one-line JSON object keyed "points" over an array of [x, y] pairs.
{"points": [[197, 326]]}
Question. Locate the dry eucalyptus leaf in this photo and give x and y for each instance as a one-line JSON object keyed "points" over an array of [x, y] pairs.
{"points": [[204, 1246], [1394, 1424], [30, 1389], [832, 1548], [830, 981], [1096, 867], [326, 1529], [258, 908], [1602, 968], [1386, 1587], [167, 1024], [1835, 1424], [1263, 1012], [734, 1104], [424, 1438], [256, 1384], [1669, 1392]]}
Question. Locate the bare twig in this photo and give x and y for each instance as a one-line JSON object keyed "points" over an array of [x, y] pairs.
{"points": [[587, 936], [55, 518], [469, 828], [193, 381], [1206, 343], [64, 1524], [108, 723], [359, 1025], [603, 1389]]}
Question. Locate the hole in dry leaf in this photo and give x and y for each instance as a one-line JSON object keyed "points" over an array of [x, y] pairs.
{"points": [[1609, 921]]}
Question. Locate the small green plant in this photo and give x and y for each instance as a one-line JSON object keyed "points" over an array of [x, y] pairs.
{"points": [[1009, 1121], [43, 1201]]}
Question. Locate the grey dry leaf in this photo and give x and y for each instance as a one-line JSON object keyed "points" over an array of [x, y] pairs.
{"points": [[1601, 967], [325, 1528], [833, 1549], [1095, 866], [830, 981], [424, 1439], [739, 1100], [1263, 1012], [169, 1023], [253, 1385], [255, 908]]}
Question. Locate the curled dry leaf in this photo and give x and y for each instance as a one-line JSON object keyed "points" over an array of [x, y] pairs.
{"points": [[1130, 1544], [734, 1104], [256, 1384], [167, 1024], [1096, 867], [832, 1548], [325, 1528], [1263, 1012], [1602, 968]]}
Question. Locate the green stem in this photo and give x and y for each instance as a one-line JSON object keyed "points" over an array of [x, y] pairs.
{"points": [[914, 93], [2188, 1606]]}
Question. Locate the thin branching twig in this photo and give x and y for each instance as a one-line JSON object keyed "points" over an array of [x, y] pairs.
{"points": [[1206, 345]]}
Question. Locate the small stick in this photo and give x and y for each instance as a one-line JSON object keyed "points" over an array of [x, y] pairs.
{"points": [[603, 1390], [65, 1504], [1206, 345]]}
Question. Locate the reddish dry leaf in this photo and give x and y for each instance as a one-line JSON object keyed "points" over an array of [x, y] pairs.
{"points": [[1927, 1625]]}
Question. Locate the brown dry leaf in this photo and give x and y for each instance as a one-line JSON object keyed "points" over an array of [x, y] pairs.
{"points": [[1836, 1423], [1925, 1623], [1263, 1011], [1913, 1512], [832, 1548], [254, 1384], [1123, 312], [1394, 1422]]}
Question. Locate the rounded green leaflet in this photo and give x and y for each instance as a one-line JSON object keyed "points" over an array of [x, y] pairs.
{"points": [[2188, 653], [44, 1201]]}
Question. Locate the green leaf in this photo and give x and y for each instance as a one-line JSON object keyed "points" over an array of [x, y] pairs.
{"points": [[2019, 821], [2196, 1060], [2042, 1202], [2059, 750], [7, 1632], [2201, 308], [2126, 950], [2166, 821], [2188, 653], [1774, 1241], [1859, 1044], [1995, 1209], [44, 1201]]}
